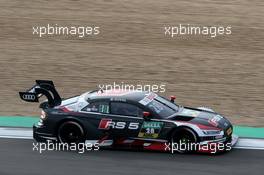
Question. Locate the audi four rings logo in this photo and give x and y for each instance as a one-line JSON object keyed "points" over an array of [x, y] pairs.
{"points": [[29, 97]]}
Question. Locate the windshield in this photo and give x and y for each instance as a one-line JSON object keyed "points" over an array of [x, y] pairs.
{"points": [[168, 103], [163, 107]]}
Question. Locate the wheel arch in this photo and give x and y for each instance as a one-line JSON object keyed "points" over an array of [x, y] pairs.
{"points": [[183, 128], [73, 119]]}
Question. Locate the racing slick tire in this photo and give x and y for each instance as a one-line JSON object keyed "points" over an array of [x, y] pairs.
{"points": [[71, 132], [184, 140]]}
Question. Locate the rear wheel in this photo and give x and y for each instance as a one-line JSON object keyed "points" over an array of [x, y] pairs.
{"points": [[70, 132], [184, 140]]}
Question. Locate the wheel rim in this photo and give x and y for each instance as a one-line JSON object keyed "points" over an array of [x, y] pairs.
{"points": [[185, 140], [70, 133]]}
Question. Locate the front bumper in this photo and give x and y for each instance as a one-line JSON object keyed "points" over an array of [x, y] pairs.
{"points": [[216, 146], [234, 140]]}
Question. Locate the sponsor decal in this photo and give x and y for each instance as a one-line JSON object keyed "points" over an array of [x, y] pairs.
{"points": [[150, 129], [29, 97], [107, 124], [215, 120], [104, 123], [149, 98], [229, 131]]}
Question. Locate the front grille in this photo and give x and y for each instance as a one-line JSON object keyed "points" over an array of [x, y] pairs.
{"points": [[206, 138]]}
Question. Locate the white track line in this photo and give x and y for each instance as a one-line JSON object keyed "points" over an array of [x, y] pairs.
{"points": [[246, 143], [26, 133], [16, 133]]}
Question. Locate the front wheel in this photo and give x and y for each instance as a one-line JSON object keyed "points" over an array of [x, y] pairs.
{"points": [[70, 132], [184, 140]]}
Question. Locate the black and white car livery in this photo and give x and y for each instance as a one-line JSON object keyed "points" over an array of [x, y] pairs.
{"points": [[125, 119]]}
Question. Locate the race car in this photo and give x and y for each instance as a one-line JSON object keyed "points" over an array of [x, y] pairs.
{"points": [[128, 119]]}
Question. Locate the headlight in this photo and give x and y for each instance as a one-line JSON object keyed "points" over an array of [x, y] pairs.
{"points": [[211, 132]]}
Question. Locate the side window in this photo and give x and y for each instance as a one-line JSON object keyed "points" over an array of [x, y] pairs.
{"points": [[101, 107], [127, 109]]}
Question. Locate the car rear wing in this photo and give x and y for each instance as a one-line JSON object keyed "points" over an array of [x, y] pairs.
{"points": [[42, 87]]}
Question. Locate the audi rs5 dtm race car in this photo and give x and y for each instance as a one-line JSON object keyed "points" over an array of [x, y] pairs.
{"points": [[128, 119]]}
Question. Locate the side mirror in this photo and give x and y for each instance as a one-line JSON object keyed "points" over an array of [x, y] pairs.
{"points": [[146, 115], [172, 98]]}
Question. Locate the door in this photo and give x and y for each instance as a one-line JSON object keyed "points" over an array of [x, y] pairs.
{"points": [[126, 118]]}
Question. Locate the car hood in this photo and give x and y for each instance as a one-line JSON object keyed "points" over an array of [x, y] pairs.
{"points": [[202, 118]]}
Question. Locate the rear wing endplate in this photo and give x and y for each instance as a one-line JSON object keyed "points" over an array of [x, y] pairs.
{"points": [[42, 87]]}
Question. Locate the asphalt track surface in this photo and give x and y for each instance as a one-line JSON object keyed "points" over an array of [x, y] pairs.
{"points": [[18, 157]]}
